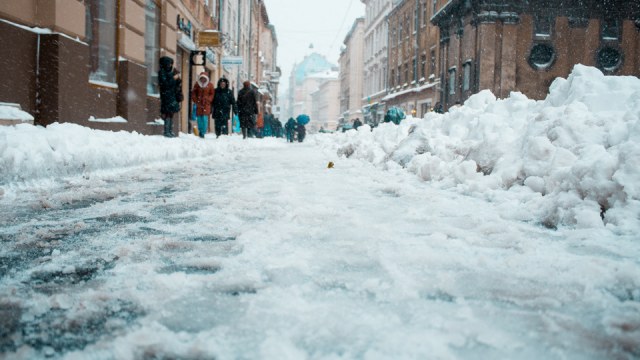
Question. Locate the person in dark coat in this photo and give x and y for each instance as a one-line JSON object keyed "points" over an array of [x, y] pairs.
{"points": [[276, 126], [223, 103], [247, 108], [290, 128], [438, 108], [202, 96], [302, 131], [357, 123], [170, 93]]}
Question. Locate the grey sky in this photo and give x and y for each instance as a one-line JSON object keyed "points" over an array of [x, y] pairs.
{"points": [[299, 23]]}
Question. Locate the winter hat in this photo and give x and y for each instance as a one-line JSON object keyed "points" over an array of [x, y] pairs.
{"points": [[206, 79]]}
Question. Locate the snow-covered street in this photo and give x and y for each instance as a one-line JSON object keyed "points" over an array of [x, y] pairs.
{"points": [[270, 254], [505, 229]]}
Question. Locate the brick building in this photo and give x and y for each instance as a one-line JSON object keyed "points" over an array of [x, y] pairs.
{"points": [[518, 45], [413, 49]]}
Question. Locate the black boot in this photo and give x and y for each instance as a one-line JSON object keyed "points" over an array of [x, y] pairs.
{"points": [[244, 133], [167, 127]]}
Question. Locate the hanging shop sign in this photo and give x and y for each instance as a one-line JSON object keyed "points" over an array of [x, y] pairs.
{"points": [[209, 38]]}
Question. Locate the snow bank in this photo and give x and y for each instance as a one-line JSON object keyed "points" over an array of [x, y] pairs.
{"points": [[30, 152], [571, 159]]}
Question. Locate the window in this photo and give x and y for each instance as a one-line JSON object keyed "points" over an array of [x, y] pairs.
{"points": [[433, 61], [101, 36], [406, 73], [609, 59], [399, 33], [543, 26], [416, 20], [414, 69], [398, 74], [542, 56], [610, 29], [452, 81], [466, 80], [152, 45], [393, 77], [424, 13], [435, 6], [423, 66]]}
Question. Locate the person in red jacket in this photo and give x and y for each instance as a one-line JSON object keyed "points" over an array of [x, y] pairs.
{"points": [[202, 96]]}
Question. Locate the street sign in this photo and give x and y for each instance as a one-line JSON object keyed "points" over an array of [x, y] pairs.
{"points": [[231, 60], [210, 38]]}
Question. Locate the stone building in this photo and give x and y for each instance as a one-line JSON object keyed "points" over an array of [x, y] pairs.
{"points": [[351, 73], [413, 50], [518, 45], [312, 67], [376, 39], [325, 110]]}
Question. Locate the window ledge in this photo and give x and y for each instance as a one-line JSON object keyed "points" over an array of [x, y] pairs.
{"points": [[105, 84]]}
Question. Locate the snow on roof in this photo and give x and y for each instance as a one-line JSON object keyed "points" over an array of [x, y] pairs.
{"points": [[10, 112], [415, 89]]}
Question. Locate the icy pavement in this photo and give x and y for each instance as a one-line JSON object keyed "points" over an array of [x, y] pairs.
{"points": [[270, 255]]}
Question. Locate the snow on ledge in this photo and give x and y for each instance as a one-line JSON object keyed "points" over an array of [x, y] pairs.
{"points": [[104, 84], [14, 113], [117, 119]]}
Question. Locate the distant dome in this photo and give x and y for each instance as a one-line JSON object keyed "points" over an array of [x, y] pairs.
{"points": [[313, 63]]}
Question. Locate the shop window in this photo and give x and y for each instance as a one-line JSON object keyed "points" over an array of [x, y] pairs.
{"points": [[542, 56], [466, 80], [453, 84], [152, 45], [610, 29], [101, 36], [609, 59]]}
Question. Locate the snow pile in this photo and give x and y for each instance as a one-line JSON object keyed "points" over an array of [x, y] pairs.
{"points": [[14, 113], [571, 159], [32, 152]]}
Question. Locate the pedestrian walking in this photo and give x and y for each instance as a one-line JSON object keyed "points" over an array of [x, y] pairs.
{"points": [[290, 128], [223, 104], [302, 131], [171, 95], [247, 108], [202, 96]]}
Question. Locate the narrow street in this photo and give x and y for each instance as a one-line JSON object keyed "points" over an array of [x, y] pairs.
{"points": [[273, 255]]}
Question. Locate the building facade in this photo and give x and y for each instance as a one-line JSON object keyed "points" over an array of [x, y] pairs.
{"points": [[517, 45], [413, 49], [89, 61], [325, 110], [376, 38], [352, 73], [313, 67]]}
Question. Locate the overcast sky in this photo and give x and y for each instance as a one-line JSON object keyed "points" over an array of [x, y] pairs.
{"points": [[299, 23]]}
